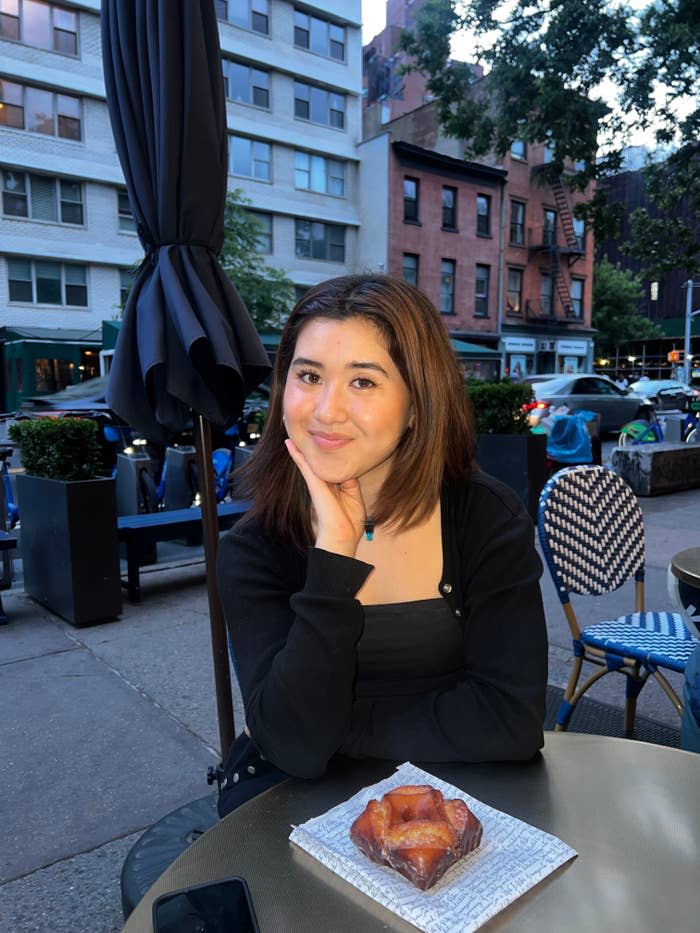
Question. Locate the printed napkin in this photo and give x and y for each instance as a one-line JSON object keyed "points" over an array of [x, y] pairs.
{"points": [[512, 858]]}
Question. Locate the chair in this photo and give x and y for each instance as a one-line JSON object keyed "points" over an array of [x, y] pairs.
{"points": [[592, 534]]}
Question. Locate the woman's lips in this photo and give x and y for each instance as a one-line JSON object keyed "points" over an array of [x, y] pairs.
{"points": [[329, 441]]}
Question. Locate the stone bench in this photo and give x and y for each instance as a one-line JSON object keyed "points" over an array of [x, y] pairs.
{"points": [[654, 469]]}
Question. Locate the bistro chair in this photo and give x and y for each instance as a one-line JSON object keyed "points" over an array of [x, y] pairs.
{"points": [[591, 530]]}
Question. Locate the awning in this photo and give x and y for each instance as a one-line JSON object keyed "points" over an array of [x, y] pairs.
{"points": [[92, 337], [473, 350]]}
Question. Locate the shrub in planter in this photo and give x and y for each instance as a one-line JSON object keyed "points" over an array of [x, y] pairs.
{"points": [[498, 406], [58, 448], [505, 447], [68, 520]]}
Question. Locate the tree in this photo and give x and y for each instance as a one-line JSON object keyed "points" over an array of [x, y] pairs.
{"points": [[584, 75], [266, 291], [616, 294]]}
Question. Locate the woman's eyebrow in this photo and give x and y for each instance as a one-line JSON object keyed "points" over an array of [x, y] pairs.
{"points": [[375, 366], [303, 361]]}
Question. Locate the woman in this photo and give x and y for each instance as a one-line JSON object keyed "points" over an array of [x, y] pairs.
{"points": [[382, 598]]}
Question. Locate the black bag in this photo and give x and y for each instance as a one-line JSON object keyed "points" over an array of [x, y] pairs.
{"points": [[246, 774]]}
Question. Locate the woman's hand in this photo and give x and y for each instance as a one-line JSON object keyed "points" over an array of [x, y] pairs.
{"points": [[339, 508]]}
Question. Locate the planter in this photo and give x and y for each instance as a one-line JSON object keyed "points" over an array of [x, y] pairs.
{"points": [[70, 554], [519, 461]]}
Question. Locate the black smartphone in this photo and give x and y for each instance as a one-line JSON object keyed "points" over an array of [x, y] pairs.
{"points": [[215, 907]]}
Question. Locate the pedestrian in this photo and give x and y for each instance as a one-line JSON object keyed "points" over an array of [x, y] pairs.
{"points": [[382, 597], [621, 381]]}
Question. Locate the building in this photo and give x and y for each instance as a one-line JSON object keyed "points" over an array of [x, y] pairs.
{"points": [[499, 252], [664, 298], [68, 245]]}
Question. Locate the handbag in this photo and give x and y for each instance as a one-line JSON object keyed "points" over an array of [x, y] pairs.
{"points": [[246, 773]]}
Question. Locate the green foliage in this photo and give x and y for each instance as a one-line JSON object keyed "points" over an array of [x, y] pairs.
{"points": [[266, 291], [549, 70], [616, 295], [498, 406], [58, 448]]}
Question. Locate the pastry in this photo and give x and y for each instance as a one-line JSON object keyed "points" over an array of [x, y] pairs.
{"points": [[414, 830]]}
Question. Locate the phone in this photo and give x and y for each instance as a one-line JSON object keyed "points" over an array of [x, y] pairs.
{"points": [[214, 907]]}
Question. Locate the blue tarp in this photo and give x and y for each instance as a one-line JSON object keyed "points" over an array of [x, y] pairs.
{"points": [[569, 440]]}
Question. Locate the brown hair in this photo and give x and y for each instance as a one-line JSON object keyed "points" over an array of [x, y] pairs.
{"points": [[438, 446]]}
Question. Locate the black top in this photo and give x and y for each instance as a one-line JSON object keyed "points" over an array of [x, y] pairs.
{"points": [[295, 625]]}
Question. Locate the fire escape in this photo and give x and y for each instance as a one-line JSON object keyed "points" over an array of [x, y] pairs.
{"points": [[559, 257]]}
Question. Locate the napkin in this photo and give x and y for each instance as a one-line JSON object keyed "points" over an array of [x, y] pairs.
{"points": [[512, 858]]}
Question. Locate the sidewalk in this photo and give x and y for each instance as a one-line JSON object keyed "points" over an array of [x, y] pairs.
{"points": [[106, 729]]}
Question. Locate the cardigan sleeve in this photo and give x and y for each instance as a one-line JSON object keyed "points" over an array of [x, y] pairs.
{"points": [[293, 644], [496, 709]]}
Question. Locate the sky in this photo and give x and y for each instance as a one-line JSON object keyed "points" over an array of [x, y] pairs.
{"points": [[373, 19]]}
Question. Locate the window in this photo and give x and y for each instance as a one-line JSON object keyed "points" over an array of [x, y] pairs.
{"points": [[42, 25], [518, 149], [548, 152], [246, 84], [549, 228], [514, 295], [316, 173], [24, 107], [546, 293], [316, 240], [481, 291], [517, 223], [483, 215], [264, 239], [410, 200], [318, 105], [46, 282], [249, 14], [318, 35], [580, 233], [127, 277], [42, 198], [410, 268], [447, 286], [580, 165], [449, 208], [249, 157], [127, 224], [577, 298]]}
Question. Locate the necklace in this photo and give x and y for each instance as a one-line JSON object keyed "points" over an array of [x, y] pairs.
{"points": [[369, 529]]}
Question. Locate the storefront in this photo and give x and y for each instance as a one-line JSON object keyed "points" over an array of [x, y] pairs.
{"points": [[42, 360], [519, 357], [477, 362], [574, 356]]}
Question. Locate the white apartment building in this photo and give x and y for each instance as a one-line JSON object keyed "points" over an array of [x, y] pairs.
{"points": [[293, 82]]}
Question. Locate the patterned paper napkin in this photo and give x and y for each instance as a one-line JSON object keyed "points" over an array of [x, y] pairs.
{"points": [[511, 859]]}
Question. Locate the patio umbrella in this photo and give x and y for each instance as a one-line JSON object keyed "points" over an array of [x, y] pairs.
{"points": [[187, 348]]}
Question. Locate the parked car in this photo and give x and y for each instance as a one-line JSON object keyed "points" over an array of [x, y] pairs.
{"points": [[588, 391], [539, 377], [666, 393]]}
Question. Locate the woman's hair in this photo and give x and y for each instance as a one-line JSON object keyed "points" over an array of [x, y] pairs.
{"points": [[439, 444]]}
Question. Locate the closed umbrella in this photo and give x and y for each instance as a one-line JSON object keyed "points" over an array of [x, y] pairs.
{"points": [[187, 348]]}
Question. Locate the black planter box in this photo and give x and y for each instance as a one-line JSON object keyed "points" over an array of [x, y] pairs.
{"points": [[70, 553], [519, 460]]}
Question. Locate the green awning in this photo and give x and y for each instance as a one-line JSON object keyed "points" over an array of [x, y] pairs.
{"points": [[675, 326], [473, 350], [110, 332]]}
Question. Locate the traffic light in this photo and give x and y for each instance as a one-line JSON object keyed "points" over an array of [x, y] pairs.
{"points": [[675, 356]]}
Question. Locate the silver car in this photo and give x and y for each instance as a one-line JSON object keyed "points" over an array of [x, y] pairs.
{"points": [[666, 394], [590, 392]]}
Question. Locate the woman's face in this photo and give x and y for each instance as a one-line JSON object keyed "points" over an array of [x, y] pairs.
{"points": [[346, 406]]}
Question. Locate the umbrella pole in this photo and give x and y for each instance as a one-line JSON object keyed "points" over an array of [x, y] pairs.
{"points": [[210, 534]]}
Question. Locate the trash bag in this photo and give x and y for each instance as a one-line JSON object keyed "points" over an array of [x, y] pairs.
{"points": [[569, 441]]}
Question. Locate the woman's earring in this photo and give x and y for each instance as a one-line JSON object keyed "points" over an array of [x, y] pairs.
{"points": [[411, 421]]}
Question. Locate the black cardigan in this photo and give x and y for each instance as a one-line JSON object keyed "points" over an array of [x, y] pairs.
{"points": [[294, 622]]}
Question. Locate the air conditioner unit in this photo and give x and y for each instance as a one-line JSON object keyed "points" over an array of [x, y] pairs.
{"points": [[546, 346]]}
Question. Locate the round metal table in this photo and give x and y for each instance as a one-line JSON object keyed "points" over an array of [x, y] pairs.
{"points": [[683, 583], [630, 809]]}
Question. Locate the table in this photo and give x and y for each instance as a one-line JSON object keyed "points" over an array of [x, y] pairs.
{"points": [[630, 809], [684, 583]]}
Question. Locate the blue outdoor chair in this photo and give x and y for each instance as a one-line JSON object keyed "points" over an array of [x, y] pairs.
{"points": [[592, 534]]}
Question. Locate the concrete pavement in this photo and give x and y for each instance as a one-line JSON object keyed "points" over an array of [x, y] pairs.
{"points": [[106, 729]]}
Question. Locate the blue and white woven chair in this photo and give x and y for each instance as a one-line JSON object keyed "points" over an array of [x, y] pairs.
{"points": [[592, 534]]}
